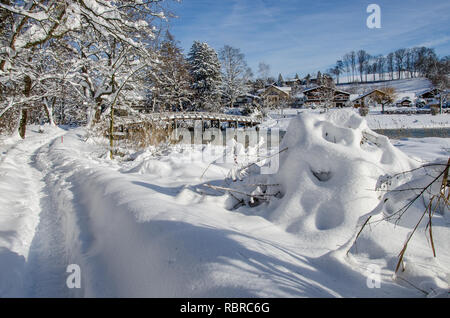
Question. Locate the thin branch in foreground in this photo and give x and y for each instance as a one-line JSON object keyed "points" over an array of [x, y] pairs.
{"points": [[412, 285], [259, 196], [359, 233], [430, 211]]}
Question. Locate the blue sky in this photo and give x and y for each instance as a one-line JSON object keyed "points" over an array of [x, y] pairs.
{"points": [[304, 36]]}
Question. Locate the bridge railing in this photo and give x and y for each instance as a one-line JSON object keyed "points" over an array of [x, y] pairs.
{"points": [[167, 116]]}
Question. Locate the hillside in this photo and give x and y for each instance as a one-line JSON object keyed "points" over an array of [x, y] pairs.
{"points": [[404, 88]]}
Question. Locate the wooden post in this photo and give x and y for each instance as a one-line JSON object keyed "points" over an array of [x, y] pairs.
{"points": [[170, 127], [111, 133]]}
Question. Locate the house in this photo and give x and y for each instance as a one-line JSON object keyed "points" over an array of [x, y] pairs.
{"points": [[275, 95], [405, 102], [294, 83], [322, 95], [246, 100], [430, 95], [433, 96], [369, 99]]}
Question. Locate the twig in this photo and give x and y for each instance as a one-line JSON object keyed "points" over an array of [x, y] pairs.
{"points": [[405, 246], [403, 210], [259, 196], [359, 233], [411, 284], [258, 161], [421, 167]]}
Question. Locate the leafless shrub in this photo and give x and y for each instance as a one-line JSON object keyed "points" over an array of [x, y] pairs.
{"points": [[436, 193]]}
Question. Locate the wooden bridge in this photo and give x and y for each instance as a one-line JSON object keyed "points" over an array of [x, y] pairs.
{"points": [[169, 122], [232, 120]]}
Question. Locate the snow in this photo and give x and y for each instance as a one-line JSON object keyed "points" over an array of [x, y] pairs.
{"points": [[404, 88], [20, 188], [316, 204], [414, 85], [425, 149], [375, 119], [149, 227]]}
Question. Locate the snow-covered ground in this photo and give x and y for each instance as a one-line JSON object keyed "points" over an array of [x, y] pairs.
{"points": [[150, 227], [403, 88], [375, 119]]}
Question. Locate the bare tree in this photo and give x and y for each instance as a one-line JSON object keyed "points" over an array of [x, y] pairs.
{"points": [[107, 35], [400, 56], [347, 65], [352, 56], [387, 97], [390, 65], [235, 73], [381, 65], [363, 59], [439, 75], [409, 62]]}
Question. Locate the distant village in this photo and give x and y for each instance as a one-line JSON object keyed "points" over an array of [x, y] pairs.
{"points": [[322, 92]]}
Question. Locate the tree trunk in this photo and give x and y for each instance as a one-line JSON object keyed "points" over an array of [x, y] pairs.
{"points": [[23, 123], [49, 111], [24, 113]]}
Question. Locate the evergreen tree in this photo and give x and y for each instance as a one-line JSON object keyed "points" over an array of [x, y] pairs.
{"points": [[171, 84], [280, 81], [206, 76], [308, 80]]}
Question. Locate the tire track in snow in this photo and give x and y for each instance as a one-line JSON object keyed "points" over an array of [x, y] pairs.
{"points": [[50, 251]]}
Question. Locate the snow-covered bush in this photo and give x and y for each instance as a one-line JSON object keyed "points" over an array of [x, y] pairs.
{"points": [[329, 166], [334, 172], [364, 111]]}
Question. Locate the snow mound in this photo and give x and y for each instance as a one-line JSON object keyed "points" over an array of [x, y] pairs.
{"points": [[329, 175], [395, 223], [155, 167]]}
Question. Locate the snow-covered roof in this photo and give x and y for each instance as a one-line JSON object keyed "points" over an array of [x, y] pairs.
{"points": [[293, 80], [354, 97], [430, 91], [404, 99], [285, 89], [336, 90], [367, 94], [249, 95]]}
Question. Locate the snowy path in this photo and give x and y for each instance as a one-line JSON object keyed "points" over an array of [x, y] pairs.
{"points": [[23, 188], [144, 231], [49, 255]]}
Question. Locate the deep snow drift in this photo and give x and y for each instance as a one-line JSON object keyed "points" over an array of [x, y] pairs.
{"points": [[329, 175], [151, 227], [335, 174]]}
